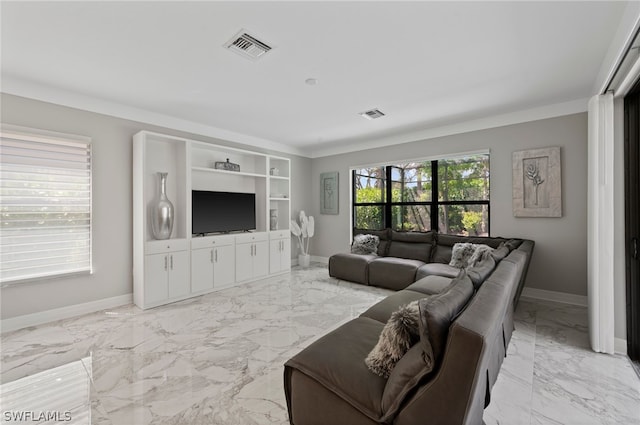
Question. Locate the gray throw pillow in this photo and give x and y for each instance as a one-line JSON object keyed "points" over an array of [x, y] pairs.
{"points": [[480, 271], [436, 314], [500, 252], [365, 244], [461, 253], [397, 336], [480, 252]]}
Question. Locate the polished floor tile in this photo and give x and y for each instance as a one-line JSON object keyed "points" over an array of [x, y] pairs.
{"points": [[217, 359]]}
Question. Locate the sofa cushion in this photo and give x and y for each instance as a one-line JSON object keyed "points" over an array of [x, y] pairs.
{"points": [[408, 373], [436, 314], [351, 267], [437, 269], [411, 245], [365, 244], [393, 273], [383, 237], [479, 272], [398, 335], [431, 285], [383, 310], [336, 361]]}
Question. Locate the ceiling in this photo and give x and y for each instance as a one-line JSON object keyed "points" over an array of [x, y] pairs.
{"points": [[424, 64]]}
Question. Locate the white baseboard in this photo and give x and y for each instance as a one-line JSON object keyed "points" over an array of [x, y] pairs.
{"points": [[620, 346], [34, 319], [560, 297], [317, 259], [314, 258]]}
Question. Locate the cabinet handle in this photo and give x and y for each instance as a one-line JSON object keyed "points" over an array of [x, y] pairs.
{"points": [[211, 256], [171, 261], [216, 260], [165, 263]]}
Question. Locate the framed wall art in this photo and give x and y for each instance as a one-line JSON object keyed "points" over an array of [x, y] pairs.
{"points": [[329, 193], [537, 183]]}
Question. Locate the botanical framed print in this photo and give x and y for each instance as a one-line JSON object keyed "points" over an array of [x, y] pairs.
{"points": [[329, 193], [537, 183]]}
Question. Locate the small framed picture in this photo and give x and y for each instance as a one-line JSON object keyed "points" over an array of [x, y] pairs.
{"points": [[329, 193]]}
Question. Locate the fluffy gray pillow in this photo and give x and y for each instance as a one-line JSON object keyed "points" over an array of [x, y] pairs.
{"points": [[365, 244], [398, 335], [465, 254], [461, 253], [480, 254]]}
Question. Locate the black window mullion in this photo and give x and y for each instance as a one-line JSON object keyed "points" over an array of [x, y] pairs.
{"points": [[388, 200], [434, 195]]}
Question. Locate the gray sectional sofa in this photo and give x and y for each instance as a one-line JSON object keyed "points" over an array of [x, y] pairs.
{"points": [[329, 383]]}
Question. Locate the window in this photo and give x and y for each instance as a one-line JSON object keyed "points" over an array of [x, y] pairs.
{"points": [[450, 194], [45, 185]]}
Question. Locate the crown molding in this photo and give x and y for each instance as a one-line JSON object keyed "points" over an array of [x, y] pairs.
{"points": [[518, 117], [18, 87]]}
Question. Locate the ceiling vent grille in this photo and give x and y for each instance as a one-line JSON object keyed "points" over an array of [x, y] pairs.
{"points": [[247, 45], [372, 114]]}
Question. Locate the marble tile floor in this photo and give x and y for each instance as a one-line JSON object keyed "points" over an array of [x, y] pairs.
{"points": [[217, 359]]}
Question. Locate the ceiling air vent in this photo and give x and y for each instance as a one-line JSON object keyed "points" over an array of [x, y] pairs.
{"points": [[372, 114], [247, 45]]}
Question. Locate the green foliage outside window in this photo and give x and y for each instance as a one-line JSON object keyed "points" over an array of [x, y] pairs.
{"points": [[411, 205]]}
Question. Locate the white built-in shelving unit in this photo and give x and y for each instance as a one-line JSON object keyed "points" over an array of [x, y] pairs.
{"points": [[186, 265]]}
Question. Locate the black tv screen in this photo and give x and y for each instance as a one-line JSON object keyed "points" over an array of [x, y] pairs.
{"points": [[213, 212]]}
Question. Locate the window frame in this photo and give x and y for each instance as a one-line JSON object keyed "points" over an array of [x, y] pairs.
{"points": [[434, 204], [32, 134]]}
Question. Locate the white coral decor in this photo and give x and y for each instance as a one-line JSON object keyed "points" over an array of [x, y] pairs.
{"points": [[303, 231]]}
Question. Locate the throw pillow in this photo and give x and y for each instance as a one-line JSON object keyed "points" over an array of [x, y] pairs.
{"points": [[480, 271], [397, 336], [461, 253], [436, 314], [365, 244], [500, 252], [481, 252]]}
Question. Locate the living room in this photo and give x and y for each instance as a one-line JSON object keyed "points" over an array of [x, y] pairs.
{"points": [[78, 77]]}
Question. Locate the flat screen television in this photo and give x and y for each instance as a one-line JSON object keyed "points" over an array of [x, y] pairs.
{"points": [[214, 212]]}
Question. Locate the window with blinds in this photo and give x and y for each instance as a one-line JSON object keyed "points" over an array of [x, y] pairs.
{"points": [[45, 191]]}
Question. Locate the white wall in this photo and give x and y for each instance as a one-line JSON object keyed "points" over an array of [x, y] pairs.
{"points": [[112, 207], [560, 255]]}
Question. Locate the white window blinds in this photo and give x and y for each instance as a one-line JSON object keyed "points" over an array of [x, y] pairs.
{"points": [[45, 190]]}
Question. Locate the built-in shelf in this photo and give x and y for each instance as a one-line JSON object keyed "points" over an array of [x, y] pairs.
{"points": [[235, 173], [187, 265]]}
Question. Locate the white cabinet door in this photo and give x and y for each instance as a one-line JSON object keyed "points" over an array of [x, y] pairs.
{"points": [[179, 283], [252, 260], [156, 272], [224, 268], [279, 255], [261, 259], [275, 248], [202, 274], [244, 261], [286, 255]]}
